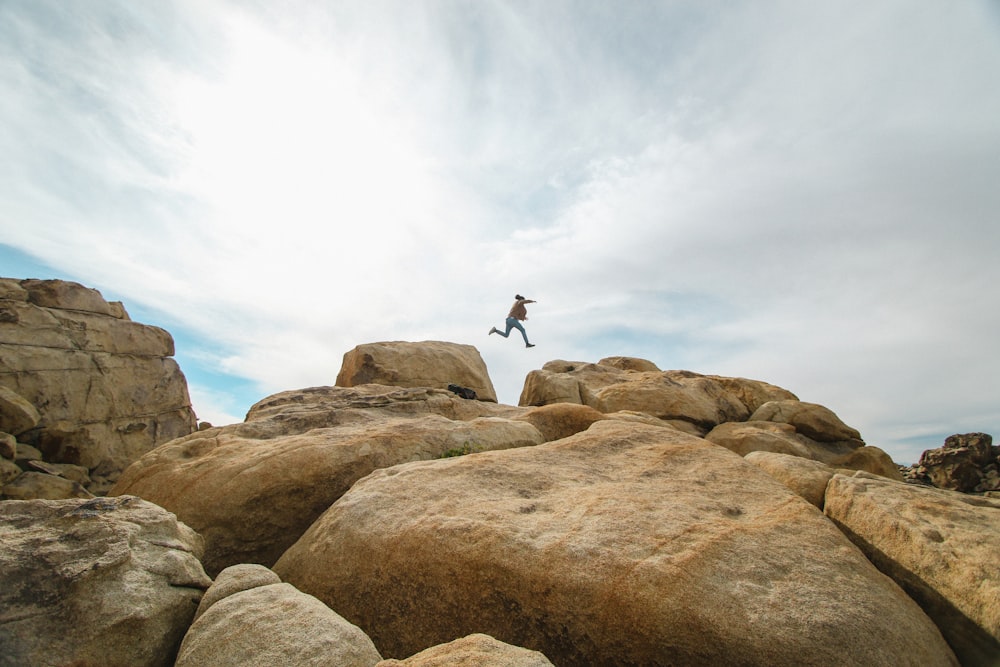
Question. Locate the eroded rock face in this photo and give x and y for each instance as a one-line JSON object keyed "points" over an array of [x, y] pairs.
{"points": [[940, 546], [252, 489], [623, 544], [274, 624], [106, 389], [97, 582], [428, 364]]}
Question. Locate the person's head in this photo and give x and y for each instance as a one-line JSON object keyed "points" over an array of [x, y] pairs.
{"points": [[518, 297]]}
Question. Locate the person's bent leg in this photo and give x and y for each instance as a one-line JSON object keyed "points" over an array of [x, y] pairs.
{"points": [[511, 322], [524, 335]]}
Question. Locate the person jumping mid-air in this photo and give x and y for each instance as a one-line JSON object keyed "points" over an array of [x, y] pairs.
{"points": [[518, 313]]}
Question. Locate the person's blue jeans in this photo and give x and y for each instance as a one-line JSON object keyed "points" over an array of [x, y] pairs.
{"points": [[513, 323]]}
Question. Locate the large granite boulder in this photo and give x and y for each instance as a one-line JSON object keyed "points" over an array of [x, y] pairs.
{"points": [[803, 476], [561, 420], [274, 624], [252, 489], [615, 384], [783, 438], [428, 364], [623, 544], [99, 582], [106, 389], [869, 459], [473, 651], [940, 546], [810, 419], [765, 436]]}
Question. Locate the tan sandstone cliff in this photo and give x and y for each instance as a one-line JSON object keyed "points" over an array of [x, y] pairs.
{"points": [[104, 390]]}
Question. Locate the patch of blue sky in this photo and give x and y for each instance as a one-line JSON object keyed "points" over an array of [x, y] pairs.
{"points": [[17, 264]]}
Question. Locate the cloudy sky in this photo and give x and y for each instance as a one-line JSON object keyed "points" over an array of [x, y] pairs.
{"points": [[804, 193]]}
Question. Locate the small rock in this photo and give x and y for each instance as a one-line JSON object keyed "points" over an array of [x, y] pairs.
{"points": [[8, 471], [8, 446], [40, 486], [69, 471], [17, 414], [26, 453]]}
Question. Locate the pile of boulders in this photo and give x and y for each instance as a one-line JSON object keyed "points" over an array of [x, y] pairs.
{"points": [[619, 514], [967, 462], [24, 475]]}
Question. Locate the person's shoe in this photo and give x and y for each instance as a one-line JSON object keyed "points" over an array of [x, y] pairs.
{"points": [[493, 331], [530, 345]]}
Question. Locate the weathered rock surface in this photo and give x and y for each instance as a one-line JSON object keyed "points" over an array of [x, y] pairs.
{"points": [[966, 462], [940, 546], [8, 446], [764, 436], [235, 579], [630, 364], [272, 625], [805, 477], [612, 386], [8, 471], [781, 438], [472, 651], [428, 364], [100, 582], [42, 486], [561, 420], [252, 489], [869, 459], [623, 544], [64, 470], [810, 419], [105, 389], [17, 415]]}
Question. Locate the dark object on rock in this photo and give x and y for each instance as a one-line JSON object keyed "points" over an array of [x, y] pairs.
{"points": [[464, 392]]}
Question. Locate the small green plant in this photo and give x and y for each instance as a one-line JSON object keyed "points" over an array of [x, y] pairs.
{"points": [[467, 448]]}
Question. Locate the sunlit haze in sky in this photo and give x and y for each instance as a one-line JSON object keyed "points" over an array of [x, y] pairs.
{"points": [[805, 193]]}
